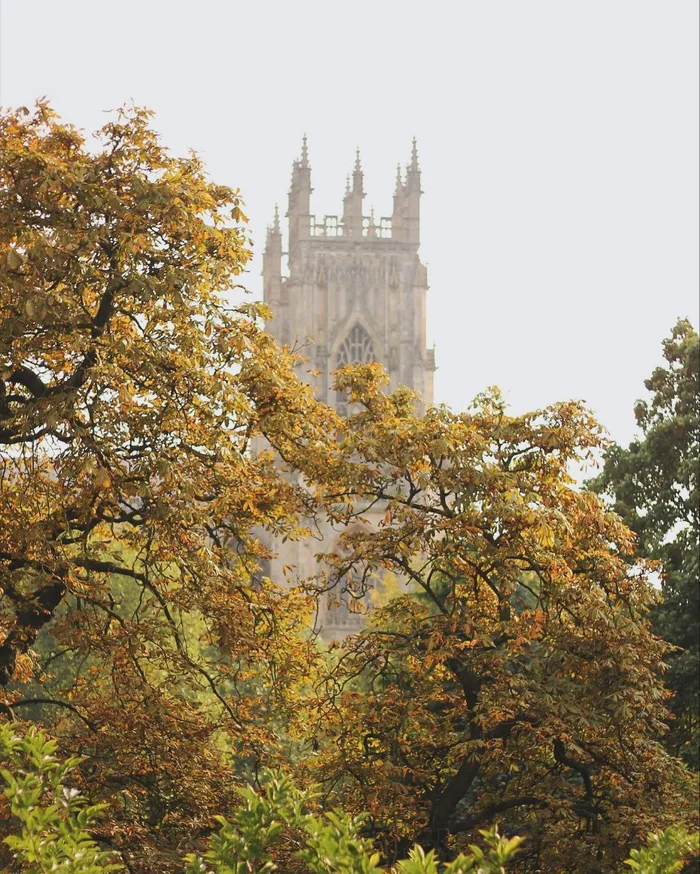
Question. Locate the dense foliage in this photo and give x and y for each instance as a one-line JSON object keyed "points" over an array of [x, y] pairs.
{"points": [[153, 439], [654, 484], [271, 829], [129, 396], [522, 685]]}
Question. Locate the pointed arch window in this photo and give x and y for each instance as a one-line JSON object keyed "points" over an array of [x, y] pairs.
{"points": [[356, 348]]}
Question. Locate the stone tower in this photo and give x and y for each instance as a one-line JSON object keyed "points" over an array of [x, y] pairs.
{"points": [[354, 292], [355, 289]]}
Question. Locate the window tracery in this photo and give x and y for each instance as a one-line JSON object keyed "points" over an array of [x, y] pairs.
{"points": [[356, 348]]}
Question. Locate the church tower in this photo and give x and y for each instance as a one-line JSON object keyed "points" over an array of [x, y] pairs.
{"points": [[354, 292]]}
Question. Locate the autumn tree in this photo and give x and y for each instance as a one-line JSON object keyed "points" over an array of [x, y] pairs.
{"points": [[522, 683], [654, 486], [130, 392], [515, 679]]}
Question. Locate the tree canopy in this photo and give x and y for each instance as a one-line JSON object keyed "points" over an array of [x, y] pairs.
{"points": [[153, 439], [654, 485], [130, 393], [516, 680]]}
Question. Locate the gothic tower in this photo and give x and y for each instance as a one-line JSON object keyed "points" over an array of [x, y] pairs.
{"points": [[355, 292]]}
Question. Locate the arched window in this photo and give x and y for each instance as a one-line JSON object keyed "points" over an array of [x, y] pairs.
{"points": [[356, 348]]}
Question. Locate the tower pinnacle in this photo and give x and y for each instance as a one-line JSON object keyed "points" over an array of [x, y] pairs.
{"points": [[414, 157], [358, 177], [372, 225], [413, 170], [300, 197], [352, 202]]}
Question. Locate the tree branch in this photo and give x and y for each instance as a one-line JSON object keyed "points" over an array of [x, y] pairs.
{"points": [[28, 702]]}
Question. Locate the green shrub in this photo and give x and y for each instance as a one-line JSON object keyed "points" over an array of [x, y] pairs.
{"points": [[52, 816], [664, 852], [332, 843]]}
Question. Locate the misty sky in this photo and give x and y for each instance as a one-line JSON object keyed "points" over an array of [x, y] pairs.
{"points": [[558, 143]]}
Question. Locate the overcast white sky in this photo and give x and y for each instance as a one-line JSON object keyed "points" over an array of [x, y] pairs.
{"points": [[558, 142]]}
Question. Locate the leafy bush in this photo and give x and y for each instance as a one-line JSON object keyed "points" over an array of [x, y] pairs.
{"points": [[53, 817], [664, 853], [332, 843]]}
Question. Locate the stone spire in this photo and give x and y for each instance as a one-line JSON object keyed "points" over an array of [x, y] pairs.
{"points": [[352, 202], [414, 157], [300, 197], [358, 177], [412, 197], [272, 261], [412, 168], [399, 181], [398, 216], [372, 227]]}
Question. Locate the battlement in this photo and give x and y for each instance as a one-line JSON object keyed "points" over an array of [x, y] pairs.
{"points": [[332, 226]]}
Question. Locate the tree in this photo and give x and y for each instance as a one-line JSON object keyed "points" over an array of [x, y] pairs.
{"points": [[522, 685], [654, 485], [130, 393]]}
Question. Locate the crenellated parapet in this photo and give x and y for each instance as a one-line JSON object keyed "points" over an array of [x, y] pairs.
{"points": [[403, 226], [332, 226]]}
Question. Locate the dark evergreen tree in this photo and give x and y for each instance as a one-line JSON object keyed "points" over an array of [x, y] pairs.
{"points": [[654, 483]]}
